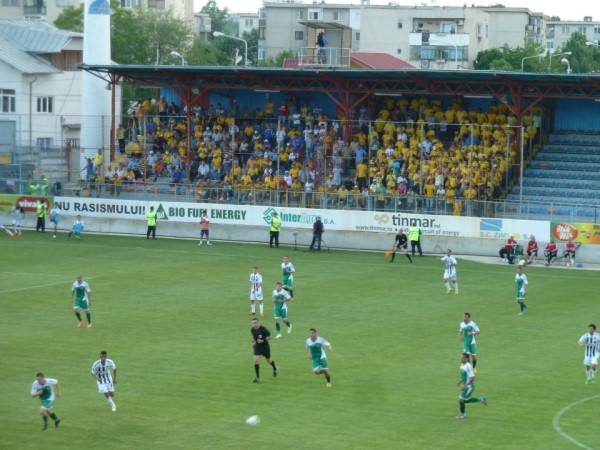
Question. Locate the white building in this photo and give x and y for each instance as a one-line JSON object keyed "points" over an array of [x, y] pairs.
{"points": [[424, 36], [40, 85], [558, 32], [246, 22]]}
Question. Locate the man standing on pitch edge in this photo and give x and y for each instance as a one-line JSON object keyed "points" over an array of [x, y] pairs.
{"points": [[275, 227], [318, 230]]}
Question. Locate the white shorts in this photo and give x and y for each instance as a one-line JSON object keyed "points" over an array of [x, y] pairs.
{"points": [[590, 361], [450, 274], [104, 388], [16, 223], [256, 295]]}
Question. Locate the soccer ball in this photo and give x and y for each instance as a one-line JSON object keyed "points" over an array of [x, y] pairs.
{"points": [[253, 420], [522, 263]]}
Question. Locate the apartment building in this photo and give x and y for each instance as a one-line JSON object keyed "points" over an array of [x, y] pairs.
{"points": [[424, 36], [49, 10], [558, 32]]}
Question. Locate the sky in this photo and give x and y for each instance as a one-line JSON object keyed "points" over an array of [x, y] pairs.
{"points": [[564, 9]]}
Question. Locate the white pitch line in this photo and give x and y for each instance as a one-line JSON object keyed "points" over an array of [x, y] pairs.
{"points": [[558, 415], [36, 286]]}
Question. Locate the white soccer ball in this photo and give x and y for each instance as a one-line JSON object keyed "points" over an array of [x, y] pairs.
{"points": [[522, 263], [253, 420]]}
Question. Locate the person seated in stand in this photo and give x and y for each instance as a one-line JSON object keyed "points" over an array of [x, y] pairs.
{"points": [[551, 251], [569, 253], [507, 253], [532, 250]]}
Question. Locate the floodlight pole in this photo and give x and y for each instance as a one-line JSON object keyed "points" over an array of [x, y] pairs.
{"points": [[220, 33]]}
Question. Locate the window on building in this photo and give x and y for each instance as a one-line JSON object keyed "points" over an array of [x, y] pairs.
{"points": [[261, 53], [300, 15], [63, 3], [156, 4], [130, 3], [315, 14], [8, 99], [566, 30], [11, 3], [583, 30], [357, 36], [448, 27], [299, 35], [262, 33], [249, 22], [337, 15], [596, 29], [45, 104], [262, 14], [44, 143]]}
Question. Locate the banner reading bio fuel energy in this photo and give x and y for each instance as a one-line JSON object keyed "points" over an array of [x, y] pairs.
{"points": [[585, 233]]}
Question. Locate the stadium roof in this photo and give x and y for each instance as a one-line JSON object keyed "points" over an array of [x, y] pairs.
{"points": [[349, 87]]}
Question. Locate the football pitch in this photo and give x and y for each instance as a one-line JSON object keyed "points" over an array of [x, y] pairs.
{"points": [[173, 317]]}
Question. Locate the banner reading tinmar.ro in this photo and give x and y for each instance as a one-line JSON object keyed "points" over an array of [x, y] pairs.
{"points": [[585, 233]]}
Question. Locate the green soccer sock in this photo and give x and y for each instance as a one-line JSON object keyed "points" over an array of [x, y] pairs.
{"points": [[474, 362], [45, 418], [78, 315], [462, 407], [273, 365], [54, 417], [328, 378], [89, 317], [292, 293], [523, 306], [277, 327], [287, 323]]}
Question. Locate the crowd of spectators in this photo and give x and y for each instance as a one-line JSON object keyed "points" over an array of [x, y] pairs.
{"points": [[391, 153]]}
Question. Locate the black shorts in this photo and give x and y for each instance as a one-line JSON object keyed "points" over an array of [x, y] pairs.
{"points": [[262, 350]]}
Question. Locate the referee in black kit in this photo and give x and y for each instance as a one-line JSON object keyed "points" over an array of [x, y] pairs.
{"points": [[260, 341]]}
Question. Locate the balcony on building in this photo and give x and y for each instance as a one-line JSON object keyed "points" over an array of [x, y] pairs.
{"points": [[433, 50], [336, 52]]}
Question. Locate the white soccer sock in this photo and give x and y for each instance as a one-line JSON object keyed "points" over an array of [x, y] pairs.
{"points": [[110, 401], [447, 285], [260, 307], [456, 285], [594, 374], [252, 307], [588, 374]]}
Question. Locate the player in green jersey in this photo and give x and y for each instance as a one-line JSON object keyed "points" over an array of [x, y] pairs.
{"points": [[287, 271], [521, 280], [466, 334], [280, 299], [466, 383], [315, 348], [82, 299], [43, 388]]}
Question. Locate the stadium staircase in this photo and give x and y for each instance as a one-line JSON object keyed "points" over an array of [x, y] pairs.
{"points": [[563, 180]]}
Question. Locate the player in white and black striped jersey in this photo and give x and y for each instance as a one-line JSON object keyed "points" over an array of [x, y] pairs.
{"points": [[256, 294], [101, 371], [591, 342]]}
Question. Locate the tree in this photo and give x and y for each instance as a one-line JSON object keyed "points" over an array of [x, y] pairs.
{"points": [[584, 58], [218, 17], [251, 38], [511, 59], [138, 36], [204, 54], [148, 36], [71, 19]]}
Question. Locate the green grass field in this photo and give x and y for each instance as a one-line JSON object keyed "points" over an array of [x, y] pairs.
{"points": [[173, 317]]}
